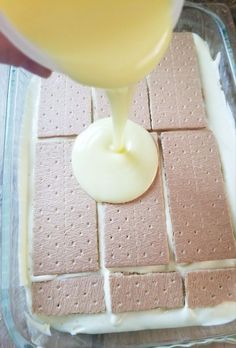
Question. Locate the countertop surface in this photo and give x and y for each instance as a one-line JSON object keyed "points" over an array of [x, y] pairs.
{"points": [[4, 338]]}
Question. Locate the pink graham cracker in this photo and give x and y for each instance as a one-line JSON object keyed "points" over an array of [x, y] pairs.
{"points": [[82, 295], [135, 232], [199, 212], [176, 99], [64, 107], [209, 288], [64, 220], [139, 111], [146, 291]]}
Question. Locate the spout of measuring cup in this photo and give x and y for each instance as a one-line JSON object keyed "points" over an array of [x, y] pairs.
{"points": [[177, 6], [24, 45]]}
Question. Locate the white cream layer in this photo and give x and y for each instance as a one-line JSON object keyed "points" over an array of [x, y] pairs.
{"points": [[131, 171], [220, 120]]}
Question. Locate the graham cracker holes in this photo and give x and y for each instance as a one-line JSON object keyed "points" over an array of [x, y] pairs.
{"points": [[193, 195], [173, 108], [61, 102], [62, 215], [144, 292], [215, 287], [69, 296]]}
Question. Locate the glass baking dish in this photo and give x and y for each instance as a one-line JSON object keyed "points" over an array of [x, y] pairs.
{"points": [[13, 89]]}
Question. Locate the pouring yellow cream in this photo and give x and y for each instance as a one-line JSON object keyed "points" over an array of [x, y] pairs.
{"points": [[110, 44]]}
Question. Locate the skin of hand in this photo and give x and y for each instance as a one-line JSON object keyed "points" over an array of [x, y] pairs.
{"points": [[10, 55]]}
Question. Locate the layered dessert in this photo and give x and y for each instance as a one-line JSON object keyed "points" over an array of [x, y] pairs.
{"points": [[166, 259]]}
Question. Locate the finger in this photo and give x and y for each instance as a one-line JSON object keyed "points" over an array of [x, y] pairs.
{"points": [[35, 68], [9, 54]]}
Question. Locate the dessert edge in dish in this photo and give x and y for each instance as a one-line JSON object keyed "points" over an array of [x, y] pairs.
{"points": [[220, 121]]}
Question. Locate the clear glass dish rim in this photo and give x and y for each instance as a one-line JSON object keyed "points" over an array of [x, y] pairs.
{"points": [[8, 162]]}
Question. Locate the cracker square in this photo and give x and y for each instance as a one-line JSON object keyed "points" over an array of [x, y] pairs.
{"points": [[176, 99], [81, 295], [141, 292], [207, 288], [135, 232], [199, 211], [64, 219], [64, 107]]}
